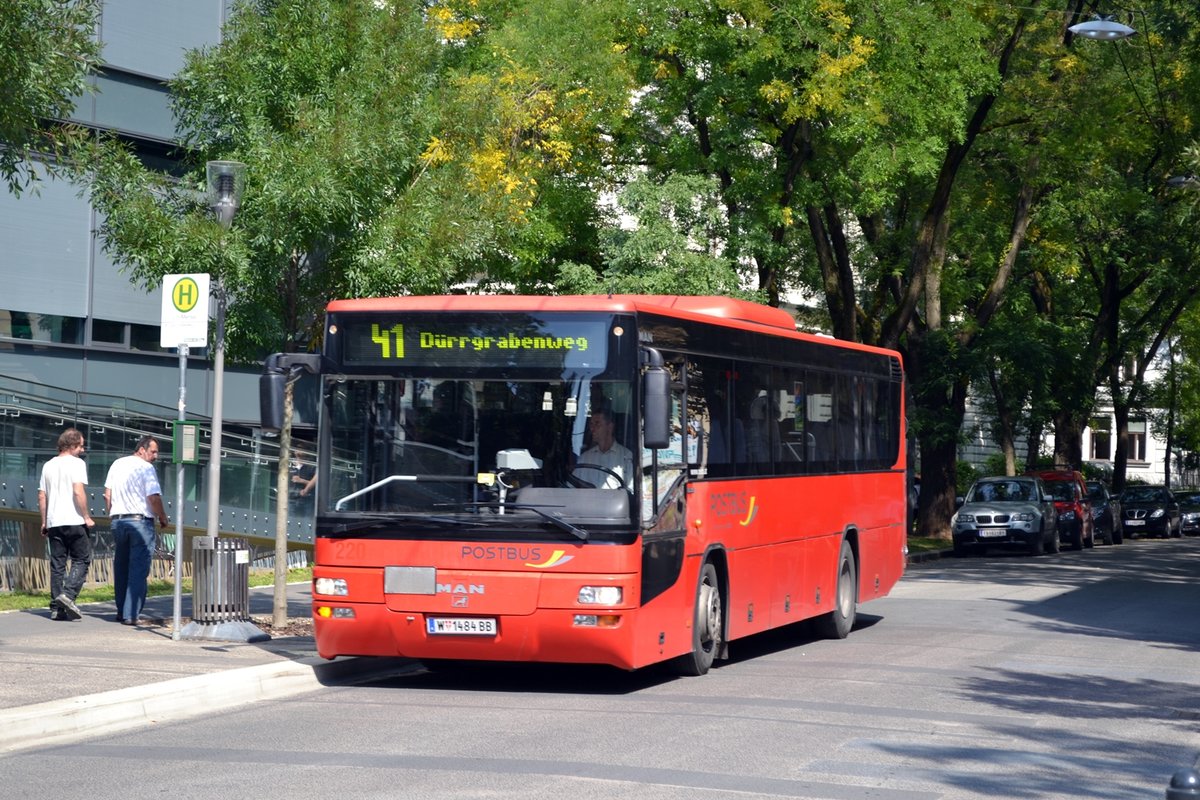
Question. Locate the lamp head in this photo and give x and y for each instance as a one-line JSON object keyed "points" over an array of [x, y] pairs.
{"points": [[226, 180], [1099, 27]]}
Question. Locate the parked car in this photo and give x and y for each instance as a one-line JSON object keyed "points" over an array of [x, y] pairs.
{"points": [[1006, 512], [1073, 504], [1150, 511], [1189, 510], [1106, 513]]}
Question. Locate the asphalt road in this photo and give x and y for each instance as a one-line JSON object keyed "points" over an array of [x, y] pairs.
{"points": [[1067, 676]]}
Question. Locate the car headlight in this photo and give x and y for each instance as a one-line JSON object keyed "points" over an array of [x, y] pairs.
{"points": [[1069, 514], [963, 518], [1191, 517], [1156, 513], [1024, 516]]}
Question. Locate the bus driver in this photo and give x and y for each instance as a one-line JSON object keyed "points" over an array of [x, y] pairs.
{"points": [[607, 453]]}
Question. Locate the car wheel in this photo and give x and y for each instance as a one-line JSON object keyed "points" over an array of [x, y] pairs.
{"points": [[1109, 535], [1118, 534], [1037, 544], [1055, 545], [1077, 538]]}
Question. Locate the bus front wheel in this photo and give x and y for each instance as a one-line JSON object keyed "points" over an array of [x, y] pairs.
{"points": [[837, 623], [707, 625]]}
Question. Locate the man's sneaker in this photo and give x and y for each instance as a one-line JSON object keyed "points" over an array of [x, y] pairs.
{"points": [[57, 615], [68, 607]]}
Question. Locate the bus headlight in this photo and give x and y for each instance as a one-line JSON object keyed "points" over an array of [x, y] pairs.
{"points": [[330, 587], [600, 595]]}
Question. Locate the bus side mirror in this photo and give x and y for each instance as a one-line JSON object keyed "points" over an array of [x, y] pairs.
{"points": [[270, 399], [278, 369], [656, 404]]}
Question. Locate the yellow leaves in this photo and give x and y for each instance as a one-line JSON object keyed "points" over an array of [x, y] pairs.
{"points": [[437, 152], [452, 19], [834, 81], [835, 12], [528, 129]]}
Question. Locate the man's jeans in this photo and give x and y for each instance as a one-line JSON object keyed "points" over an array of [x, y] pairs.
{"points": [[133, 546], [74, 542]]}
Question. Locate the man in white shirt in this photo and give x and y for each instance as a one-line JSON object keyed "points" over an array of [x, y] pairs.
{"points": [[133, 497], [605, 452], [62, 501]]}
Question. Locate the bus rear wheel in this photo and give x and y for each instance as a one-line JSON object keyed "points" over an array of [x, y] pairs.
{"points": [[707, 625], [837, 623]]}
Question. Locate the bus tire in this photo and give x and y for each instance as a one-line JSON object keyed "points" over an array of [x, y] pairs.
{"points": [[837, 623], [708, 625]]}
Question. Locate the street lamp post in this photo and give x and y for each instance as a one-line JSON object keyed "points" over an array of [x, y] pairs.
{"points": [[226, 180]]}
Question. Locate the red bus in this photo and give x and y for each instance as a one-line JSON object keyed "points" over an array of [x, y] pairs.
{"points": [[619, 480]]}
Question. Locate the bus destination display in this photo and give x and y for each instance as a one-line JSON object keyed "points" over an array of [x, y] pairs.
{"points": [[507, 341]]}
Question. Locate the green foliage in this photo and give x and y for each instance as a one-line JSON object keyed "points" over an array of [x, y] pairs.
{"points": [[966, 474], [994, 465], [47, 50]]}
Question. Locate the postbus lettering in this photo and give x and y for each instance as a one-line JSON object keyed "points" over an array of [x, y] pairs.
{"points": [[723, 504], [501, 553]]}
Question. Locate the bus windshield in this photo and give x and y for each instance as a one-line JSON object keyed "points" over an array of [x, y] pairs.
{"points": [[460, 445]]}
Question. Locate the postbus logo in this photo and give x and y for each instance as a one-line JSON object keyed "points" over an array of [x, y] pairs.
{"points": [[556, 559], [734, 505]]}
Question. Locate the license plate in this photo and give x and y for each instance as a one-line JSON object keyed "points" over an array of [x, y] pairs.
{"points": [[462, 626], [992, 533], [1135, 522]]}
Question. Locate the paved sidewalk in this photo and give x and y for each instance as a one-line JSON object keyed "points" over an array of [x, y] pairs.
{"points": [[69, 680]]}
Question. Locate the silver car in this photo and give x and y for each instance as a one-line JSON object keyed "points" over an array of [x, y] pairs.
{"points": [[1006, 512]]}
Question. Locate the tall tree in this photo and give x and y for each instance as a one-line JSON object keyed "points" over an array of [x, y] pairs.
{"points": [[47, 50]]}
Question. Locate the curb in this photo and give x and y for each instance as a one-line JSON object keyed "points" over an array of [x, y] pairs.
{"points": [[930, 555], [62, 721]]}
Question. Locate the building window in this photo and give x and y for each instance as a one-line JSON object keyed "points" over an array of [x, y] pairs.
{"points": [[145, 337], [41, 327], [1137, 439], [1101, 428], [106, 331]]}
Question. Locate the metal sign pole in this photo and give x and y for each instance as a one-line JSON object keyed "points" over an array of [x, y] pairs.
{"points": [[175, 628]]}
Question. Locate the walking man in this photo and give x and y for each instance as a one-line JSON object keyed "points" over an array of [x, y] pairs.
{"points": [[133, 498], [62, 501]]}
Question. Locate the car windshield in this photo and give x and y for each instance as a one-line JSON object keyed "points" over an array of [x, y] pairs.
{"points": [[1190, 498], [1012, 491], [1096, 493], [1144, 494], [1061, 490]]}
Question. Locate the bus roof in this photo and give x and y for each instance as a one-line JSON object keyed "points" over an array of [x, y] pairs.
{"points": [[742, 313], [709, 306]]}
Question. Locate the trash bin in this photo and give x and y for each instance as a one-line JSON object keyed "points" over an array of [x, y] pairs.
{"points": [[220, 580]]}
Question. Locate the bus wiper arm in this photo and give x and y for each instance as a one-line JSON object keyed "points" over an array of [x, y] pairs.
{"points": [[383, 520], [557, 521], [340, 505]]}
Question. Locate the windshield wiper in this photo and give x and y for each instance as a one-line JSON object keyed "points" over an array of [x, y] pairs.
{"points": [[557, 521], [398, 520]]}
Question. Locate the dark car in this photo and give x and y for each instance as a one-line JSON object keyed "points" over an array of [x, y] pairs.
{"points": [[1149, 511], [1106, 513], [1189, 509], [1074, 507], [1003, 511]]}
